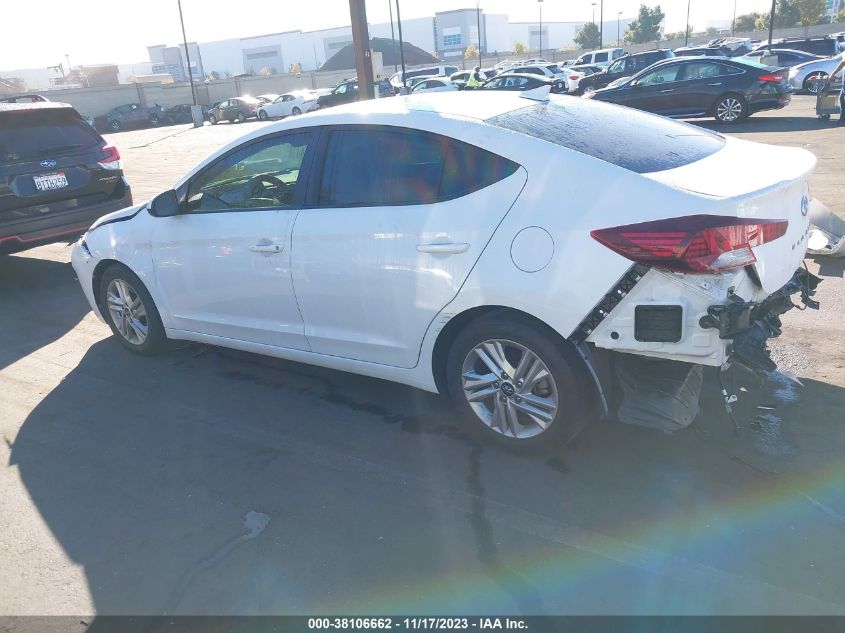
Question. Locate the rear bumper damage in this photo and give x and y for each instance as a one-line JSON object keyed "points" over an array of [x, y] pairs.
{"points": [[648, 387]]}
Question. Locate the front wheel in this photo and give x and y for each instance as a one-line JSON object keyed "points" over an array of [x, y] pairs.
{"points": [[813, 83], [241, 117], [514, 383], [115, 125], [730, 109], [262, 114], [130, 311], [154, 120], [212, 119]]}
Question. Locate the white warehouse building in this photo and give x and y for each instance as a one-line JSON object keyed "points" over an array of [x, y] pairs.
{"points": [[446, 35]]}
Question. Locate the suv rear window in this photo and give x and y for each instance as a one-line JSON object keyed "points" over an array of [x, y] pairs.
{"points": [[31, 134], [634, 140]]}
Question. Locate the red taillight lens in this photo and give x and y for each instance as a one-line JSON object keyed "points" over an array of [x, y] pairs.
{"points": [[774, 78], [111, 158], [693, 244], [573, 77]]}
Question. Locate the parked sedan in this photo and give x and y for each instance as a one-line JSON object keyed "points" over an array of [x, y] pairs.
{"points": [[519, 82], [182, 114], [422, 241], [780, 57], [129, 115], [238, 109], [803, 77], [291, 104], [727, 89], [435, 84]]}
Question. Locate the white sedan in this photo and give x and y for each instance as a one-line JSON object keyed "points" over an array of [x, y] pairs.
{"points": [[440, 84], [291, 104], [424, 240]]}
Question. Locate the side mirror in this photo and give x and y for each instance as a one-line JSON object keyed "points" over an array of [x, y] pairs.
{"points": [[164, 205]]}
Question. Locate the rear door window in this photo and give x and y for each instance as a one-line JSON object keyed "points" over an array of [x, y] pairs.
{"points": [[43, 133], [638, 141], [405, 167], [601, 57], [662, 75]]}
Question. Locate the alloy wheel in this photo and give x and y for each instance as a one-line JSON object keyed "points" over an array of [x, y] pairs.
{"points": [[729, 109], [510, 388], [127, 311], [814, 84]]}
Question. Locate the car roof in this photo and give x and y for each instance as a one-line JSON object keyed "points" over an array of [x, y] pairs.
{"points": [[527, 76], [38, 105]]}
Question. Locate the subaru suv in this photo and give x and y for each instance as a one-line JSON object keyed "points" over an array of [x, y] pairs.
{"points": [[57, 175]]}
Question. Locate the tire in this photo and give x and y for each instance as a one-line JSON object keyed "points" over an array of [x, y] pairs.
{"points": [[115, 125], [139, 329], [154, 120], [241, 117], [824, 117], [296, 111], [212, 119], [555, 396], [262, 114], [810, 84], [586, 89], [730, 108]]}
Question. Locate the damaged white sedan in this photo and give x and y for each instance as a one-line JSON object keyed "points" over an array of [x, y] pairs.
{"points": [[427, 240]]}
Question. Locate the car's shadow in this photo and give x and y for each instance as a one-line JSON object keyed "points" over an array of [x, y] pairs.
{"points": [[206, 481], [40, 301]]}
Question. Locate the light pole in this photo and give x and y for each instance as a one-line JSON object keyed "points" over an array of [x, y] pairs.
{"points": [[540, 2], [618, 16], [401, 48], [188, 58], [478, 20], [392, 35], [601, 24], [772, 23], [594, 12], [686, 32], [733, 22]]}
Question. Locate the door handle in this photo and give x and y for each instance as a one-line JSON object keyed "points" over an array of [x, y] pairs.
{"points": [[719, 83], [449, 248], [668, 90], [267, 248]]}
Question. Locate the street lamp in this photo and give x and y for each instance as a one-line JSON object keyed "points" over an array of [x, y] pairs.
{"points": [[478, 26], [733, 22], [190, 70], [392, 36], [618, 16], [686, 32], [540, 3], [594, 12], [601, 24]]}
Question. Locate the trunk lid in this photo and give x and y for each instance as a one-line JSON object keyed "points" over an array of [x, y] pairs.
{"points": [[755, 181]]}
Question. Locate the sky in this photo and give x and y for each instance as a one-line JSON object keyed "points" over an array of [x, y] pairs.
{"points": [[40, 34]]}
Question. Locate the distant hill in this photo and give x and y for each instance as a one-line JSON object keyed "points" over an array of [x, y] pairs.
{"points": [[344, 59]]}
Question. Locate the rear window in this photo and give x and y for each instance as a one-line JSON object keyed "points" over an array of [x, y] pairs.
{"points": [[631, 139], [31, 134]]}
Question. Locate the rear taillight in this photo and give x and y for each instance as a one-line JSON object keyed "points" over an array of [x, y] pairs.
{"points": [[573, 77], [774, 78], [111, 160], [693, 244]]}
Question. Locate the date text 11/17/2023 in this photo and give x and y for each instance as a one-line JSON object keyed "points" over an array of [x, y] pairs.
{"points": [[416, 623]]}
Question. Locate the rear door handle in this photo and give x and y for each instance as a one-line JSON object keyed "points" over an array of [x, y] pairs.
{"points": [[267, 248], [668, 90], [718, 83], [449, 248]]}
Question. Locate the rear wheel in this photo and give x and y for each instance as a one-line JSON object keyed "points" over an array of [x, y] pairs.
{"points": [[812, 83], [586, 89], [130, 311], [154, 120], [241, 117], [513, 383], [115, 125], [212, 119], [296, 111], [730, 109]]}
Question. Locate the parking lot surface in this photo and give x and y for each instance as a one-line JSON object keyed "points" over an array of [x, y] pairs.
{"points": [[209, 481]]}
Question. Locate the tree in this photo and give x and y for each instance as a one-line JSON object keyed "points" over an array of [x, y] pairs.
{"points": [[519, 48], [787, 15], [840, 16], [811, 11], [471, 52], [712, 31], [646, 27], [214, 75], [588, 36], [745, 23]]}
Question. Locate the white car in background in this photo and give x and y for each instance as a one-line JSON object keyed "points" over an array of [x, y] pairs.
{"points": [[553, 71], [424, 240], [435, 84], [805, 76], [290, 104]]}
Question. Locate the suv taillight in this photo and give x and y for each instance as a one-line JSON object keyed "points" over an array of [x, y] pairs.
{"points": [[693, 244], [111, 160]]}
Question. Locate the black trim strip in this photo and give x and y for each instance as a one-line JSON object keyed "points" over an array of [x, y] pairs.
{"points": [[610, 300]]}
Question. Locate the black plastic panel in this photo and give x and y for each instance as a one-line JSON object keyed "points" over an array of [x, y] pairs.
{"points": [[658, 324]]}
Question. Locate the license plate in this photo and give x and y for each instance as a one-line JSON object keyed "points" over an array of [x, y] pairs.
{"points": [[50, 182]]}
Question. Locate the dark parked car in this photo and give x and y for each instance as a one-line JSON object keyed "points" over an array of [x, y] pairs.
{"points": [[728, 89], [182, 114], [28, 98], [824, 46], [701, 51], [129, 115], [625, 66], [521, 81], [236, 109], [57, 175], [347, 91]]}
